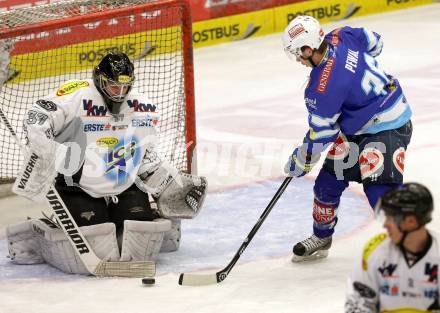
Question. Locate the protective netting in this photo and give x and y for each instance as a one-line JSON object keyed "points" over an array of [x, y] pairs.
{"points": [[65, 40], [65, 9]]}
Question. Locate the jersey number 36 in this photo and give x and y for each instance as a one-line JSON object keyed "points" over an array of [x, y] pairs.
{"points": [[374, 79]]}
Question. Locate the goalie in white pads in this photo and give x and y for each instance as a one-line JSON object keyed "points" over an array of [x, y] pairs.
{"points": [[95, 138]]}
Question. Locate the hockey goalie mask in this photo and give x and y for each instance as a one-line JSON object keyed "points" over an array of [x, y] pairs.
{"points": [[302, 31], [114, 77]]}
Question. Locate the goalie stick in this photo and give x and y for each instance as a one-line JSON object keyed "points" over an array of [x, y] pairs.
{"points": [[93, 264], [208, 279]]}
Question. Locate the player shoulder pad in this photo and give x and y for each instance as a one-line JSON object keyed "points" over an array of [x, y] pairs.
{"points": [[370, 247], [71, 87]]}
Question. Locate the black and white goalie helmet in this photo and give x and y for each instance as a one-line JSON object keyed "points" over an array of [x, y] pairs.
{"points": [[114, 77]]}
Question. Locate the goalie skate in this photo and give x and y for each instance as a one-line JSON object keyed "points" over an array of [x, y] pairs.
{"points": [[312, 248]]}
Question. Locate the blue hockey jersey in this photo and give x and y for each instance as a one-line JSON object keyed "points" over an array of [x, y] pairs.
{"points": [[348, 92]]}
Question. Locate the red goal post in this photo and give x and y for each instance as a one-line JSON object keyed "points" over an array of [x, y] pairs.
{"points": [[61, 41]]}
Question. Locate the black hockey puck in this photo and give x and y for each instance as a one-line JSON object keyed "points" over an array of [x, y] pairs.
{"points": [[148, 281]]}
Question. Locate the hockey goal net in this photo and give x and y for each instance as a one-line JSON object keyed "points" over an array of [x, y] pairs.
{"points": [[61, 41]]}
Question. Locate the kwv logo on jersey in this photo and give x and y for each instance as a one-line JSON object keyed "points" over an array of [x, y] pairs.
{"points": [[93, 110], [432, 271], [141, 107], [387, 270], [122, 159]]}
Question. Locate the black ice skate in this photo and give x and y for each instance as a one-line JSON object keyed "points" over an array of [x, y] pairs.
{"points": [[312, 248]]}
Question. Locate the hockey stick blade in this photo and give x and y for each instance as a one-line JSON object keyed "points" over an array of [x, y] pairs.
{"points": [[197, 279], [210, 279]]}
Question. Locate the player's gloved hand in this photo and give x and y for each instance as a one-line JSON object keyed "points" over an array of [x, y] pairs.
{"points": [[300, 163]]}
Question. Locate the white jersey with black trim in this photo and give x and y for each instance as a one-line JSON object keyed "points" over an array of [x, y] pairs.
{"points": [[106, 150], [384, 282]]}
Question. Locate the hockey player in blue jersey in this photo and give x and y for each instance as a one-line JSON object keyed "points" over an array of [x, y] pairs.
{"points": [[354, 107]]}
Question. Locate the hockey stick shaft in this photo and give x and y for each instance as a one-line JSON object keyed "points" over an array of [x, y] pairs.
{"points": [[197, 280], [79, 243]]}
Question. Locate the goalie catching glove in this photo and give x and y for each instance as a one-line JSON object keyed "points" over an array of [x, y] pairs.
{"points": [[178, 195]]}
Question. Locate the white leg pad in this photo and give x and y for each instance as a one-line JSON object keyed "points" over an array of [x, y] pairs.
{"points": [[58, 252], [142, 240], [171, 239], [23, 245]]}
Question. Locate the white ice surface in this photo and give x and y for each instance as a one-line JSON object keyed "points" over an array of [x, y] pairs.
{"points": [[250, 114]]}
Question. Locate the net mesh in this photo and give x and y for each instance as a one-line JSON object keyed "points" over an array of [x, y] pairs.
{"points": [[43, 58], [62, 10]]}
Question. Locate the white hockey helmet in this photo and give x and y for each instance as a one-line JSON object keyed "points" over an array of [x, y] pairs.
{"points": [[302, 31]]}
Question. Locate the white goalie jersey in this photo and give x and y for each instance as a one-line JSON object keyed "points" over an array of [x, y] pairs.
{"points": [[101, 152], [385, 282]]}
